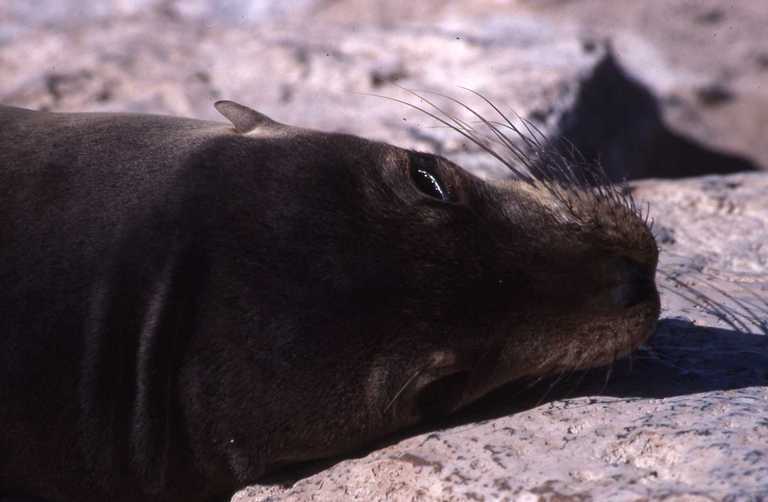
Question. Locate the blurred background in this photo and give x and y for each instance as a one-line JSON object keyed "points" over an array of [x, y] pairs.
{"points": [[659, 88]]}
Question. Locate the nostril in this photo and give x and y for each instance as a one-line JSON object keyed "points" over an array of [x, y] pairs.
{"points": [[636, 271], [636, 293], [637, 285]]}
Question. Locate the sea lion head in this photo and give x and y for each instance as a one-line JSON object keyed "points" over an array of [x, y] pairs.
{"points": [[397, 285]]}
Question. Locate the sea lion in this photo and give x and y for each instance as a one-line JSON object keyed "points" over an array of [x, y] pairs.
{"points": [[187, 305]]}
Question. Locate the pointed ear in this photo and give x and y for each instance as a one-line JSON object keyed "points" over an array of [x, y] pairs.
{"points": [[243, 118]]}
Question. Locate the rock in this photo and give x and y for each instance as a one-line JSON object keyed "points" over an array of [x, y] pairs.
{"points": [[292, 74], [310, 66], [687, 53], [615, 120]]}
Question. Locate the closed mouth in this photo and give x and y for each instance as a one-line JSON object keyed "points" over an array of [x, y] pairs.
{"points": [[442, 395]]}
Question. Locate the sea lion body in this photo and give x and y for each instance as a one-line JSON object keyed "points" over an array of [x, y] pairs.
{"points": [[187, 305]]}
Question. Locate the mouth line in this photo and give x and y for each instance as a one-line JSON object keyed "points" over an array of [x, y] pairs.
{"points": [[443, 393]]}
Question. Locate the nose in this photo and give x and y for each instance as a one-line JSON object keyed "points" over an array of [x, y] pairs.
{"points": [[637, 284]]}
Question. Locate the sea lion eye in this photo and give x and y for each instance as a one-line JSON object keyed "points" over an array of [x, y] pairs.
{"points": [[427, 181]]}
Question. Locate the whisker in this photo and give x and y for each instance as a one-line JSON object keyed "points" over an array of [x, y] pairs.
{"points": [[710, 305], [520, 156], [402, 389], [464, 133]]}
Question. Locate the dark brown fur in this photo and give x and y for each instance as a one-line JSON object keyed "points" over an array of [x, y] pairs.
{"points": [[186, 307]]}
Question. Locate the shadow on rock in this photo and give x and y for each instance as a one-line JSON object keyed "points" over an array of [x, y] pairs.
{"points": [[616, 120], [681, 359]]}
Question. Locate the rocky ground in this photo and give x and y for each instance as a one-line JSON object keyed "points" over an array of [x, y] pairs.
{"points": [[655, 89]]}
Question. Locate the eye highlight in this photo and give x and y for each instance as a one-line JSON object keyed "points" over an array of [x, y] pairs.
{"points": [[428, 183], [426, 180]]}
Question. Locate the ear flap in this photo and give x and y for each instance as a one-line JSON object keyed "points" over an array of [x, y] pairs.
{"points": [[243, 118]]}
